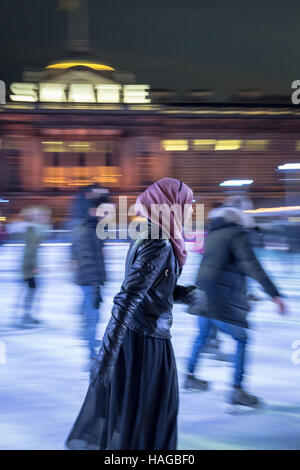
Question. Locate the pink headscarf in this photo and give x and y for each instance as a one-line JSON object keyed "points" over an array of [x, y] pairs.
{"points": [[173, 194]]}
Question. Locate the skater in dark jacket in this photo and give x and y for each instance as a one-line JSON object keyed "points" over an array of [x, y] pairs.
{"points": [[132, 401], [88, 259], [227, 261]]}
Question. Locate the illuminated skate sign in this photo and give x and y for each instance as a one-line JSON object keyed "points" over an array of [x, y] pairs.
{"points": [[49, 92]]}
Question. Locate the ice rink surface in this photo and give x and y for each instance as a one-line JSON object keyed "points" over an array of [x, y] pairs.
{"points": [[43, 370]]}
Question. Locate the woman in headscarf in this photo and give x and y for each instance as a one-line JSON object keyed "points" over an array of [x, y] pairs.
{"points": [[132, 401]]}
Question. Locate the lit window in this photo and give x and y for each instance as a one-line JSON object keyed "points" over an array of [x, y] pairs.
{"points": [[298, 146], [228, 144], [76, 146], [204, 144], [255, 145], [175, 145], [79, 147], [53, 146]]}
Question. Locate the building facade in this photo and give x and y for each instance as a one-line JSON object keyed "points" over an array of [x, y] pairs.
{"points": [[68, 130]]}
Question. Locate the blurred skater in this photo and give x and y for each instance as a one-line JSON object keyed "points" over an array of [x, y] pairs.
{"points": [[77, 208], [88, 258], [227, 261], [2, 233], [36, 222], [213, 343]]}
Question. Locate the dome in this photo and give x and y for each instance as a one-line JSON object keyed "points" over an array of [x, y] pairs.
{"points": [[69, 63]]}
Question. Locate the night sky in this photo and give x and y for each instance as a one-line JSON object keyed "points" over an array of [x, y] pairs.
{"points": [[220, 44]]}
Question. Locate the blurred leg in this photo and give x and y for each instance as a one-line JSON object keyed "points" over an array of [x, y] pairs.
{"points": [[29, 296], [199, 343], [239, 334], [91, 317], [213, 333]]}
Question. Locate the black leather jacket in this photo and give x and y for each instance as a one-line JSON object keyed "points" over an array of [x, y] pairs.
{"points": [[146, 298]]}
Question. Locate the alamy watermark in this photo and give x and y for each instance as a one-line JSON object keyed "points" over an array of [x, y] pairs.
{"points": [[182, 222], [2, 353], [2, 92], [296, 353], [295, 97]]}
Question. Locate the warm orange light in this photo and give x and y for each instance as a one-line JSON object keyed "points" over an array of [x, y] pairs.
{"points": [[80, 176], [273, 209]]}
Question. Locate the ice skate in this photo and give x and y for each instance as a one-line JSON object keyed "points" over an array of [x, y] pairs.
{"points": [[240, 400], [28, 322], [192, 383]]}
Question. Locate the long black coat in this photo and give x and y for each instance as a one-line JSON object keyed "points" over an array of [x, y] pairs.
{"points": [[145, 301], [227, 261], [132, 402]]}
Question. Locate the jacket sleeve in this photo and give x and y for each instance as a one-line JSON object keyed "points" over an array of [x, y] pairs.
{"points": [[246, 257], [150, 259]]}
